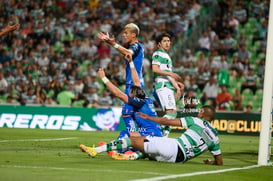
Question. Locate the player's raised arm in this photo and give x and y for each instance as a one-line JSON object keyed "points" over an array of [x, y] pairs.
{"points": [[112, 88], [111, 41], [9, 28], [135, 77]]}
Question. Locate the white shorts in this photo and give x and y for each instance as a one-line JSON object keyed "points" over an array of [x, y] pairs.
{"points": [[161, 148], [166, 98]]}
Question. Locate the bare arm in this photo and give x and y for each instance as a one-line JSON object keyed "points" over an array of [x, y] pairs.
{"points": [[8, 29], [161, 120], [135, 77], [112, 88], [217, 160], [157, 70], [111, 41], [176, 86]]}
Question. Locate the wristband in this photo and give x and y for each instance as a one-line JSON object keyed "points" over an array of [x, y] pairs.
{"points": [[105, 80], [116, 46], [132, 64]]}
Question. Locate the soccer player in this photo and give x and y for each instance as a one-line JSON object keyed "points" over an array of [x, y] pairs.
{"points": [[166, 82], [136, 49], [199, 137], [140, 103]]}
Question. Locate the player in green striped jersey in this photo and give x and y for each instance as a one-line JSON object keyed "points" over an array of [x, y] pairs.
{"points": [[199, 137], [166, 82]]}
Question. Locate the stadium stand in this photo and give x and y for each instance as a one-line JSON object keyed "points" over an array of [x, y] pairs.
{"points": [[57, 43]]}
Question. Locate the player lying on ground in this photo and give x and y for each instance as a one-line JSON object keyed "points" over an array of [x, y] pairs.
{"points": [[199, 137], [138, 100]]}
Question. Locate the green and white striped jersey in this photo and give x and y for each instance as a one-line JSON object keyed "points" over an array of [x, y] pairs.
{"points": [[163, 60], [199, 137]]}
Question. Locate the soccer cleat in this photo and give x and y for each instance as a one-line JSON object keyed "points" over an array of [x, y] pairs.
{"points": [[124, 156], [89, 150]]}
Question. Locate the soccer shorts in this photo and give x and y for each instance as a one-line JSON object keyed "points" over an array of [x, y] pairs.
{"points": [[161, 148], [166, 98]]}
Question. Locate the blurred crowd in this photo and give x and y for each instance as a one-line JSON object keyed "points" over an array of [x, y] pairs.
{"points": [[52, 59]]}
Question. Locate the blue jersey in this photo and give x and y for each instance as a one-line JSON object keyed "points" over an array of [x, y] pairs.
{"points": [[146, 127], [138, 57]]}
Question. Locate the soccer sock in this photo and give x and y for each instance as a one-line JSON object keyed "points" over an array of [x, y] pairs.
{"points": [[118, 144], [168, 115]]}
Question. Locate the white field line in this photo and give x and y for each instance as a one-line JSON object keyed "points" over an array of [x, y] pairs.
{"points": [[196, 173], [47, 139], [78, 169]]}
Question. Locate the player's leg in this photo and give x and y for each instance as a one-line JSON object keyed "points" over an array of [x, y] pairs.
{"points": [[118, 144], [167, 101]]}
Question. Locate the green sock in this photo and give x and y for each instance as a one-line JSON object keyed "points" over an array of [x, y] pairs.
{"points": [[119, 144]]}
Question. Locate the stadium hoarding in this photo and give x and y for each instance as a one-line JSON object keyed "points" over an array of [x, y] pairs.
{"points": [[228, 122], [96, 119], [62, 118]]}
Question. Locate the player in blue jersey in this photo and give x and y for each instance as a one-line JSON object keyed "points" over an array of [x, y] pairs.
{"points": [[135, 48], [140, 103]]}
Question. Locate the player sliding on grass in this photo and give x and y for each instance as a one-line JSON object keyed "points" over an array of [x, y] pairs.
{"points": [[199, 137], [138, 100]]}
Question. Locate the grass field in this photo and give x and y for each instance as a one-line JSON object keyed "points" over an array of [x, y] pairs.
{"points": [[54, 155]]}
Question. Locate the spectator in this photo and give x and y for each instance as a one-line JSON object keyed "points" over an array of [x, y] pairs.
{"points": [[190, 101], [210, 90], [237, 99], [233, 23], [230, 44], [223, 65], [240, 14], [188, 57], [66, 97], [223, 99], [106, 99], [250, 81], [243, 53], [248, 108], [92, 96], [204, 43], [201, 60], [236, 65]]}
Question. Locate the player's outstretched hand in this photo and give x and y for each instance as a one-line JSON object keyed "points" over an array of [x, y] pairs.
{"points": [[101, 73], [105, 37], [208, 162]]}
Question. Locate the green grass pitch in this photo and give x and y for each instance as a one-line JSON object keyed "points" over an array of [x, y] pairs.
{"points": [[54, 155]]}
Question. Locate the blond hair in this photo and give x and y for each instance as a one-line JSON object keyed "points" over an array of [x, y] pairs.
{"points": [[133, 28]]}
